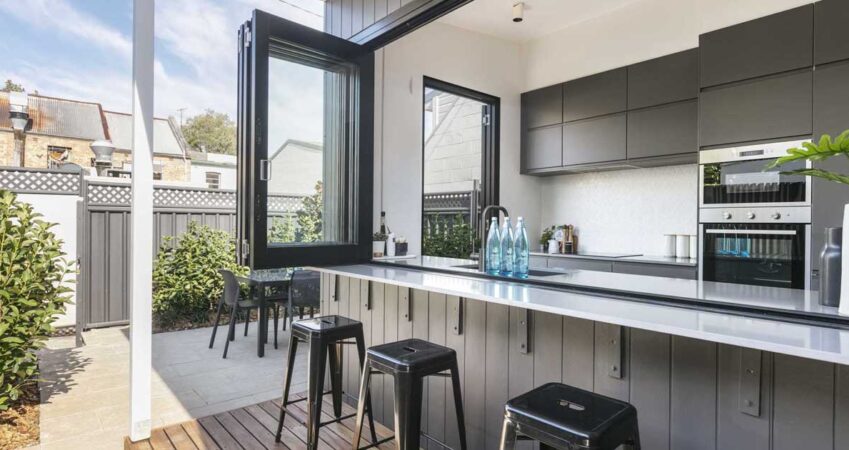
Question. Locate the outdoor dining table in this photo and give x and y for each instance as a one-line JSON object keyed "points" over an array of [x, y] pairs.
{"points": [[261, 281]]}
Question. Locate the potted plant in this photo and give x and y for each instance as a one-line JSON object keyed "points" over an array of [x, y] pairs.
{"points": [[378, 244], [547, 235], [824, 149]]}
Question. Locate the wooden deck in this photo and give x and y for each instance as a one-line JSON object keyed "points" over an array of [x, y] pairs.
{"points": [[253, 428]]}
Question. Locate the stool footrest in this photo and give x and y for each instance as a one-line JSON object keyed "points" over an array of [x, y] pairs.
{"points": [[341, 418], [302, 399], [375, 444]]}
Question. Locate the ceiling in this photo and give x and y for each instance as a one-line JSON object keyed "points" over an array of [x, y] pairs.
{"points": [[542, 17]]}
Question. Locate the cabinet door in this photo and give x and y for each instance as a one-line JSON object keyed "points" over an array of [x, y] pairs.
{"points": [[655, 270], [662, 80], [542, 147], [766, 108], [556, 262], [596, 140], [830, 38], [543, 107], [663, 130], [831, 116], [595, 95], [771, 44]]}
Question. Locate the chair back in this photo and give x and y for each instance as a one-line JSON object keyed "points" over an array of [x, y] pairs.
{"points": [[305, 288], [231, 287]]}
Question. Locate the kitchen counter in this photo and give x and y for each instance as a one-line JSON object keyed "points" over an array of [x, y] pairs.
{"points": [[647, 259], [772, 319]]}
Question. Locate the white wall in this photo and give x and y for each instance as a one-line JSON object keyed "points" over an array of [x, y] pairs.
{"points": [[227, 179], [625, 210], [457, 56], [636, 32], [61, 210]]}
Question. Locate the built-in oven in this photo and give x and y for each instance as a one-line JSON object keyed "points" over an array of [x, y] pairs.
{"points": [[762, 246], [738, 177]]}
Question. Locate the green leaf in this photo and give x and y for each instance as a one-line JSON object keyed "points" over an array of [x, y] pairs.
{"points": [[819, 173]]}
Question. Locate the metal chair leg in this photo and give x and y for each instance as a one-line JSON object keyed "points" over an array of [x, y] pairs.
{"points": [[231, 329], [290, 368], [361, 351], [247, 319], [361, 406], [276, 320], [408, 411], [334, 352], [315, 386], [458, 404], [217, 319], [508, 436]]}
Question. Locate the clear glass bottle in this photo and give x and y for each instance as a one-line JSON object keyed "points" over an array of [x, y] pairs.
{"points": [[493, 248], [506, 248], [521, 250]]}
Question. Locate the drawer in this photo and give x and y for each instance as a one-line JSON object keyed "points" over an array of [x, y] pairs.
{"points": [[656, 270], [579, 263]]}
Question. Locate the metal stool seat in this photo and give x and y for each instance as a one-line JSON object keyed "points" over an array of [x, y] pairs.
{"points": [[325, 337], [568, 418], [409, 362]]}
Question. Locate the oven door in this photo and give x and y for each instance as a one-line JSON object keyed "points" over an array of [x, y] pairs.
{"points": [[756, 254]]}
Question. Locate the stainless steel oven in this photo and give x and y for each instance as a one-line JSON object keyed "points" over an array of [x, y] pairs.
{"points": [[736, 177], [763, 246]]}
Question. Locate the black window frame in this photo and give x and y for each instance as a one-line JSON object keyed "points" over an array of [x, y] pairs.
{"points": [[490, 143], [255, 43]]}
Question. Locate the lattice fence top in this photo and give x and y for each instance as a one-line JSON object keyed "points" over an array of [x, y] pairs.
{"points": [[447, 201], [36, 181], [109, 194]]}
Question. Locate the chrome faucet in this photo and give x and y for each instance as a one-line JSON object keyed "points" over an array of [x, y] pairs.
{"points": [[484, 216]]}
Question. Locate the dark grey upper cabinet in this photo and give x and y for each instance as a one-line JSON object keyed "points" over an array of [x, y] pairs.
{"points": [[542, 148], [595, 95], [543, 107], [662, 80], [831, 42], [831, 116], [769, 45], [596, 140], [663, 130], [767, 108]]}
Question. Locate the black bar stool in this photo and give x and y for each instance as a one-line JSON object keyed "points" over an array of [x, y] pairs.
{"points": [[325, 336], [409, 362], [568, 418]]}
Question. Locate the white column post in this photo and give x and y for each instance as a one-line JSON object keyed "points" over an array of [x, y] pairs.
{"points": [[142, 221]]}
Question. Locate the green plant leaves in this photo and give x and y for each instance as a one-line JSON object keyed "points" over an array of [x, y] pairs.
{"points": [[824, 149]]}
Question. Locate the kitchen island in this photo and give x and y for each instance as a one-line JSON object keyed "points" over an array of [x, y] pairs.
{"points": [[767, 374]]}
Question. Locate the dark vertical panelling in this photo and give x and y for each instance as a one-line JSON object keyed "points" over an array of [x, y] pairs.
{"points": [[368, 12], [474, 386], [736, 429], [347, 16], [98, 272], [804, 404], [497, 342], [390, 334], [841, 407], [378, 309], [117, 253], [604, 357], [343, 304], [650, 381], [357, 16], [380, 9], [548, 348], [457, 342], [578, 352], [336, 6], [436, 385], [365, 310], [693, 402], [520, 365], [392, 5]]}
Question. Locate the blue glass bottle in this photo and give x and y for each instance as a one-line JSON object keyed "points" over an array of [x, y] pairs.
{"points": [[521, 250], [507, 248], [493, 248]]}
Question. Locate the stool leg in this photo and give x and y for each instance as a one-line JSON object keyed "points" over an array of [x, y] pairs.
{"points": [[361, 406], [458, 404], [508, 435], [247, 319], [636, 444], [361, 350], [290, 367], [276, 322], [315, 385], [335, 354], [408, 411]]}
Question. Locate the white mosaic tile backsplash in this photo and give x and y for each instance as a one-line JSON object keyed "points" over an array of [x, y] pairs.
{"points": [[625, 210]]}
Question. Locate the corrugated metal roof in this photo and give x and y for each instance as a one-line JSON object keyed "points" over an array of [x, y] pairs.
{"points": [[59, 117], [120, 125]]}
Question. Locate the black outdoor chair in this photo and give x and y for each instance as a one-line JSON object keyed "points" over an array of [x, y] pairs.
{"points": [[304, 292], [230, 298]]}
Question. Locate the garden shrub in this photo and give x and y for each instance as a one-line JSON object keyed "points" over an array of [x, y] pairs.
{"points": [[453, 240], [33, 292], [186, 282]]}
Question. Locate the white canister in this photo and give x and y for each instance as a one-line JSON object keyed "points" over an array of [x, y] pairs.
{"points": [[694, 246], [553, 247], [390, 245], [669, 245], [682, 246]]}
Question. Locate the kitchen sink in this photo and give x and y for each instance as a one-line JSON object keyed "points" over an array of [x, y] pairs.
{"points": [[532, 272]]}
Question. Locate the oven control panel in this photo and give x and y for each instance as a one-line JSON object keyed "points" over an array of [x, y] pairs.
{"points": [[765, 214]]}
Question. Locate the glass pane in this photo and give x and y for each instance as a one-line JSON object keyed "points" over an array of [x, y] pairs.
{"points": [[306, 108], [453, 159], [748, 182]]}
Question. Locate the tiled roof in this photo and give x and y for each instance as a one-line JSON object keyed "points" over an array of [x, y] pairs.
{"points": [[59, 117], [165, 141]]}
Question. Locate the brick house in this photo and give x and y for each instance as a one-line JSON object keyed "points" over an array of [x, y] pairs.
{"points": [[62, 130]]}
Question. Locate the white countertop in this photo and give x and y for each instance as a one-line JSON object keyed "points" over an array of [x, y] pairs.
{"points": [[774, 335]]}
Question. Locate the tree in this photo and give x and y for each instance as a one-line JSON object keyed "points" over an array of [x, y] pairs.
{"points": [[212, 131], [11, 86], [282, 230], [309, 217]]}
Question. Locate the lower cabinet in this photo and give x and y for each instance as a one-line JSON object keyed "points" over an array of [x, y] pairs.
{"points": [[656, 270], [580, 263]]}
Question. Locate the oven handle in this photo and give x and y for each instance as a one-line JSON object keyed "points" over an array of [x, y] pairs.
{"points": [[755, 232]]}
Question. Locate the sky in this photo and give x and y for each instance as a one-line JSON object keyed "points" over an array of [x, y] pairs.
{"points": [[82, 50]]}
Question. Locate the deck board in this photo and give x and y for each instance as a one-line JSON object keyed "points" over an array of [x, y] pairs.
{"points": [[253, 427]]}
